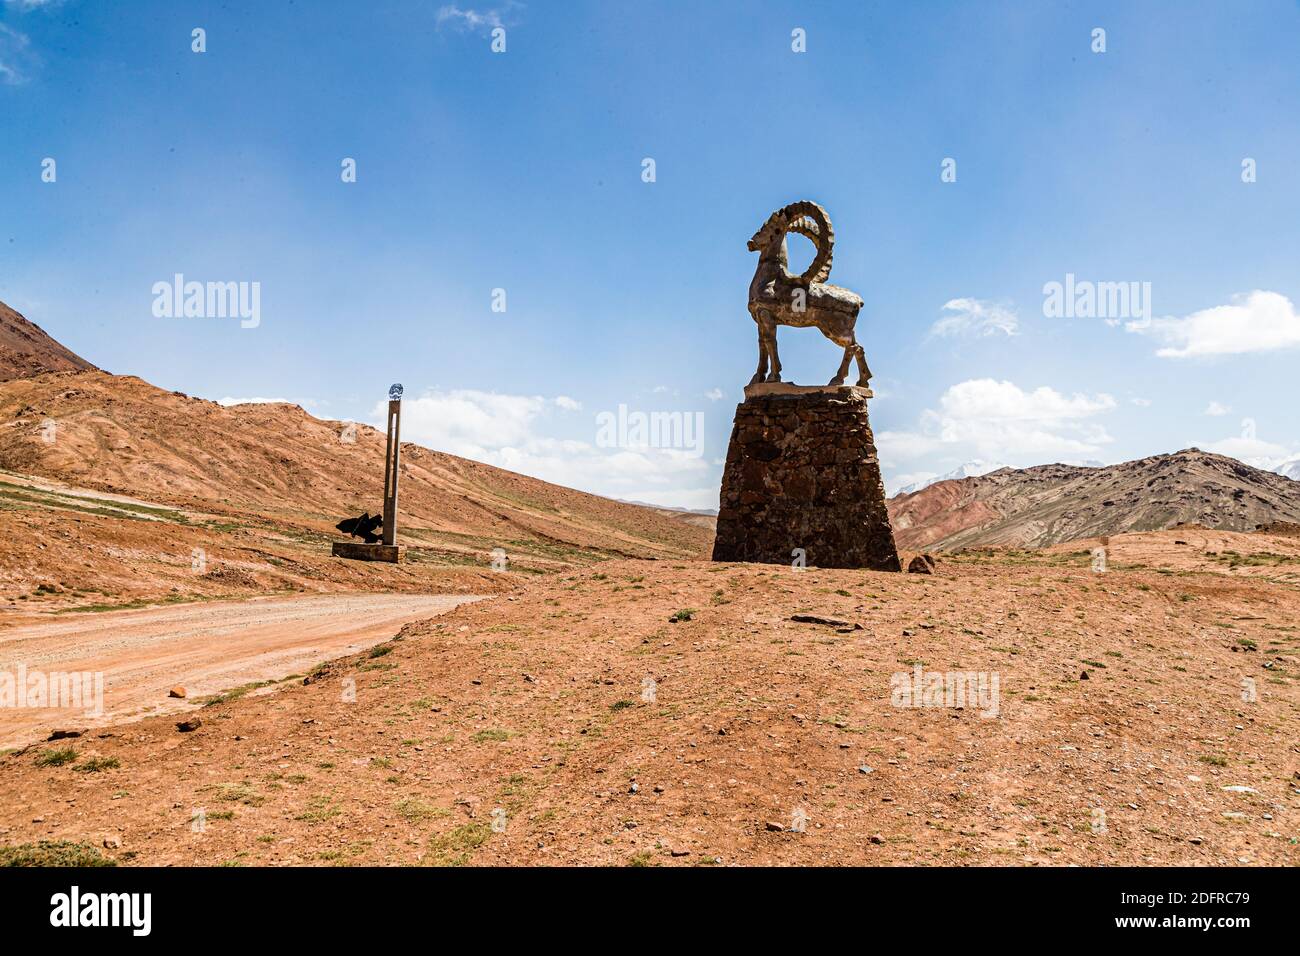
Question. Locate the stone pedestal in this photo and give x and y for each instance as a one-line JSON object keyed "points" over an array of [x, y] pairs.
{"points": [[360, 551], [802, 473]]}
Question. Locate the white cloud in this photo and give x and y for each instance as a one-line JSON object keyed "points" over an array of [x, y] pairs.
{"points": [[904, 445], [975, 317], [1003, 422], [986, 399], [568, 404], [1141, 402], [1257, 321], [713, 394], [1216, 409], [514, 432]]}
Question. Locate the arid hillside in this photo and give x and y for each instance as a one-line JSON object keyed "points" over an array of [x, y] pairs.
{"points": [[26, 350], [1050, 504], [109, 484], [690, 713]]}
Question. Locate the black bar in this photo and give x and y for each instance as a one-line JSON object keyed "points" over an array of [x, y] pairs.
{"points": [[294, 905]]}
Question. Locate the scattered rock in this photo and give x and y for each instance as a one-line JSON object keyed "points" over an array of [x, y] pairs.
{"points": [[112, 843], [774, 827], [918, 565], [177, 691], [186, 726], [65, 734], [828, 621], [877, 838]]}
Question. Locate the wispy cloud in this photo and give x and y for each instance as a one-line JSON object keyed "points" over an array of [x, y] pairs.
{"points": [[25, 5], [17, 58], [464, 18], [976, 317]]}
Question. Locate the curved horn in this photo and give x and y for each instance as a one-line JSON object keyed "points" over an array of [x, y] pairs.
{"points": [[809, 219]]}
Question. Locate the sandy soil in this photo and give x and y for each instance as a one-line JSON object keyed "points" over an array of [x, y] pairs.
{"points": [[206, 648], [574, 722]]}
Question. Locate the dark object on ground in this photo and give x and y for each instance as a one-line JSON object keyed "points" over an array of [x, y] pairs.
{"points": [[828, 621], [919, 565], [363, 527]]}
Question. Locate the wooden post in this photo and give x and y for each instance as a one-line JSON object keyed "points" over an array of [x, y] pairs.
{"points": [[392, 460]]}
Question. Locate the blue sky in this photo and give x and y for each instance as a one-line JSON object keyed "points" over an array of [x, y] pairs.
{"points": [[523, 171]]}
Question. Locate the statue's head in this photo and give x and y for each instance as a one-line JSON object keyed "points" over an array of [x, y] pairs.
{"points": [[771, 231]]}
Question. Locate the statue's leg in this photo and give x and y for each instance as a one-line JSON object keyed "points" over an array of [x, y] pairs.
{"points": [[864, 373], [769, 335], [844, 367], [762, 355]]}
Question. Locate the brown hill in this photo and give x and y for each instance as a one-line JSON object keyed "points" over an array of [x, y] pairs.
{"points": [[1050, 504], [121, 435], [113, 483], [26, 350]]}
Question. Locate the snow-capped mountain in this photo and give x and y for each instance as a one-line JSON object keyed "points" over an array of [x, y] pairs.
{"points": [[1289, 468], [970, 469]]}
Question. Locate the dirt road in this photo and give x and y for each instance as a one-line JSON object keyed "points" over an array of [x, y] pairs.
{"points": [[206, 648]]}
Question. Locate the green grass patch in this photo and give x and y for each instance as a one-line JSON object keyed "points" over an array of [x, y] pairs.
{"points": [[416, 810], [55, 757], [456, 847], [96, 764], [53, 853]]}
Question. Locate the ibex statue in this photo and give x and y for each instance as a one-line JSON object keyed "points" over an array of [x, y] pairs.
{"points": [[778, 298]]}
